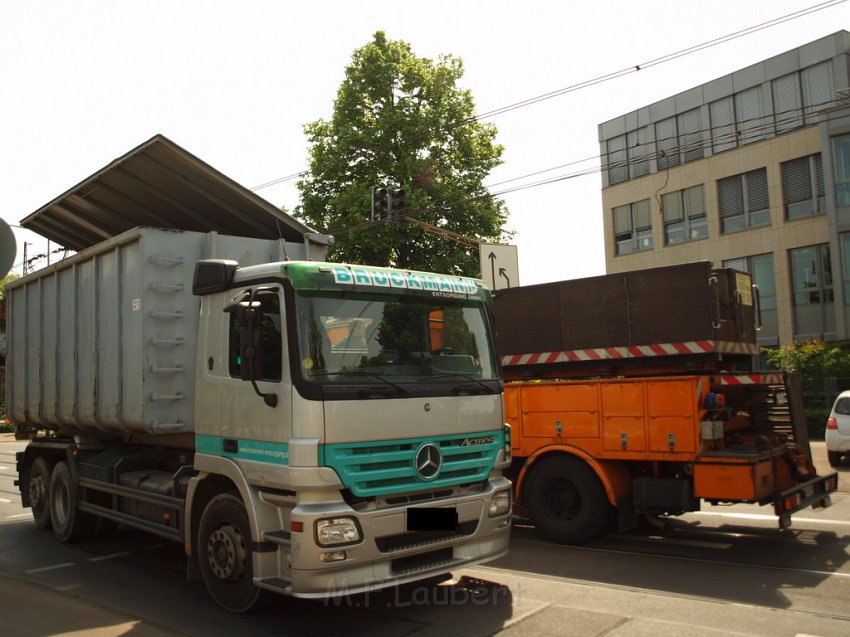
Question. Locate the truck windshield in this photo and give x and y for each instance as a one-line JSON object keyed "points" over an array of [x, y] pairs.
{"points": [[349, 338]]}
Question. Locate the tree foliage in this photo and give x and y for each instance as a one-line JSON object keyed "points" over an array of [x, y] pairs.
{"points": [[814, 359], [6, 280], [402, 121]]}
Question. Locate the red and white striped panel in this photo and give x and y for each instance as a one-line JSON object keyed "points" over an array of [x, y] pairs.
{"points": [[773, 378], [633, 351]]}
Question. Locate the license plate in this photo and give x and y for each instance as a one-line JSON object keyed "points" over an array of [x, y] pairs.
{"points": [[808, 492], [431, 519]]}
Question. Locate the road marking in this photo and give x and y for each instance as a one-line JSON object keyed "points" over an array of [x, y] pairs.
{"points": [[761, 516], [18, 516], [49, 568], [111, 556], [5, 501]]}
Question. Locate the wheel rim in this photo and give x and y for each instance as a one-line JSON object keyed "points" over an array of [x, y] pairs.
{"points": [[38, 492], [563, 501], [226, 553]]}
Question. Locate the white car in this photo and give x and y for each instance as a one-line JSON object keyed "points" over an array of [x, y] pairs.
{"points": [[838, 429]]}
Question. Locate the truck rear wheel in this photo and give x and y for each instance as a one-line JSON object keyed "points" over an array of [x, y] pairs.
{"points": [[69, 523], [39, 492], [224, 554], [566, 500]]}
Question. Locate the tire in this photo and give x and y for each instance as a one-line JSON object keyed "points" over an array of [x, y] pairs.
{"points": [[834, 458], [69, 523], [39, 492], [224, 554], [566, 500]]}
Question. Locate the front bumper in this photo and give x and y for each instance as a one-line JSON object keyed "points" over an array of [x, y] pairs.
{"points": [[814, 493], [388, 553]]}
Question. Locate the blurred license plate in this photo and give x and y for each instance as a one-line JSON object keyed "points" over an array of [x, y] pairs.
{"points": [[431, 519]]}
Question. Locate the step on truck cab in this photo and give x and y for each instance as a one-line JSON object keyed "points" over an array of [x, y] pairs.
{"points": [[307, 428]]}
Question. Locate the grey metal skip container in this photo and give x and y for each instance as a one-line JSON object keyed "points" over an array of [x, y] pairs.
{"points": [[107, 340]]}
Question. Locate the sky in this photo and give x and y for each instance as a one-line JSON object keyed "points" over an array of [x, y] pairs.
{"points": [[234, 83]]}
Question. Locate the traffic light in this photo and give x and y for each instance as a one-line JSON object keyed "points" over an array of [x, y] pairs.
{"points": [[380, 203], [396, 203]]}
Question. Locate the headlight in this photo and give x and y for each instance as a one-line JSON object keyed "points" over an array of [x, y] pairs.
{"points": [[500, 503], [336, 531]]}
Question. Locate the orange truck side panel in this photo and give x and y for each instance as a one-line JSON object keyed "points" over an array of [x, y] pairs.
{"points": [[739, 482], [641, 419], [623, 416]]}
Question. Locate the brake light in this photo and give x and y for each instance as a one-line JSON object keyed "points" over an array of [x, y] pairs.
{"points": [[792, 502], [831, 423]]}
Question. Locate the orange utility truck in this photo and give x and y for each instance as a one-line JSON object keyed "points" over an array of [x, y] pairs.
{"points": [[628, 396]]}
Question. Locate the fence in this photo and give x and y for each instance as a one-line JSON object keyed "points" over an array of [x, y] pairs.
{"points": [[818, 396]]}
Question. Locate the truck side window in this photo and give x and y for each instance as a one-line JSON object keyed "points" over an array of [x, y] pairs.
{"points": [[272, 340]]}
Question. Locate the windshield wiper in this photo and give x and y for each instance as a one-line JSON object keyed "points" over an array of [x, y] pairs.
{"points": [[400, 388], [463, 386]]}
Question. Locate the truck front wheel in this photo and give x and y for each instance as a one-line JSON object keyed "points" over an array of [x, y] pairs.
{"points": [[224, 554], [566, 500]]}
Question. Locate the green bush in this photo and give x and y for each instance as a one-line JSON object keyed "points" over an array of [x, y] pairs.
{"points": [[5, 427], [824, 369], [816, 421]]}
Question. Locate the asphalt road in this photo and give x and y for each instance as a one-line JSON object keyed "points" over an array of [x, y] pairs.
{"points": [[722, 571]]}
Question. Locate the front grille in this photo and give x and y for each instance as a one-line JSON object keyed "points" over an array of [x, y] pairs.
{"points": [[385, 468], [422, 562], [416, 539]]}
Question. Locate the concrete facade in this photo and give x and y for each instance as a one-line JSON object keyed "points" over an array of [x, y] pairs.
{"points": [[722, 171]]}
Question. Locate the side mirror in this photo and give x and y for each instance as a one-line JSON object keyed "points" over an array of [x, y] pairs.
{"points": [[249, 315]]}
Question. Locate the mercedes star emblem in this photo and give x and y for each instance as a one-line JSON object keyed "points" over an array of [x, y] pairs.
{"points": [[428, 461]]}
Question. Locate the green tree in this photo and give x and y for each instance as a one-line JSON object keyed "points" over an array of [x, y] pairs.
{"points": [[402, 121], [6, 280], [813, 359]]}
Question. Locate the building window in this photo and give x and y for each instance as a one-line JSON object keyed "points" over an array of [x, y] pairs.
{"points": [[618, 160], [689, 124], [760, 268], [845, 266], [749, 114], [841, 153], [723, 133], [684, 215], [811, 278], [632, 227], [818, 90], [787, 103], [737, 120], [802, 187], [743, 201], [638, 152], [667, 143]]}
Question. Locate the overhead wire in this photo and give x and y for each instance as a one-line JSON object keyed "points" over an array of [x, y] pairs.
{"points": [[586, 83], [793, 118]]}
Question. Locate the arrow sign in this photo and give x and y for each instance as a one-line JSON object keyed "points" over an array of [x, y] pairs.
{"points": [[499, 265], [505, 276]]}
